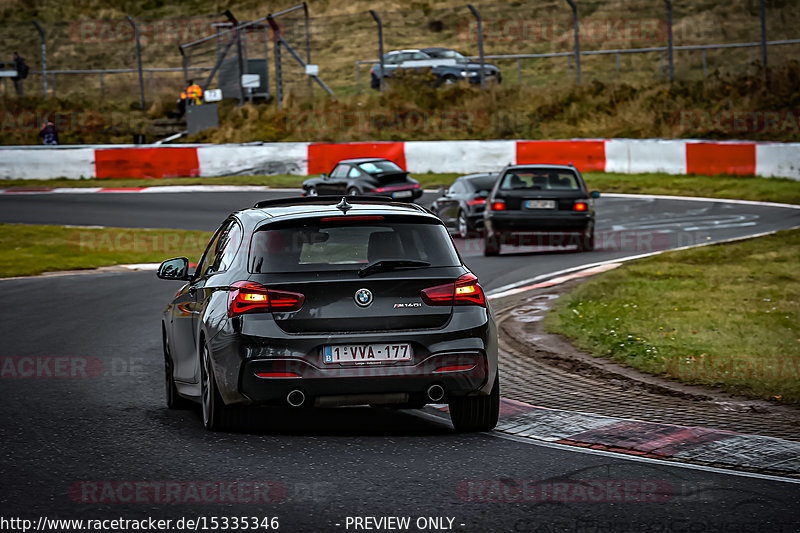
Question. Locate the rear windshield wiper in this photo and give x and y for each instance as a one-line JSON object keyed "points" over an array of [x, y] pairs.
{"points": [[391, 264]]}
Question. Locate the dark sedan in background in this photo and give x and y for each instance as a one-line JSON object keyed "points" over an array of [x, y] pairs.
{"points": [[461, 205], [365, 177], [547, 205]]}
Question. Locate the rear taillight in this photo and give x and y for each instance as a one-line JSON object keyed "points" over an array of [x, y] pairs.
{"points": [[498, 205], [580, 206], [464, 291], [476, 201], [249, 297]]}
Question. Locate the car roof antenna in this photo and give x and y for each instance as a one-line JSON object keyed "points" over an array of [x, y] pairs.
{"points": [[344, 206]]}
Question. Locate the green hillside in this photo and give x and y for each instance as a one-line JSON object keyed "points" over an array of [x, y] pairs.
{"points": [[625, 95]]}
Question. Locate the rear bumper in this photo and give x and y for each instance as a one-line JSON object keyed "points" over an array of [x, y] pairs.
{"points": [[257, 345], [525, 222], [316, 382]]}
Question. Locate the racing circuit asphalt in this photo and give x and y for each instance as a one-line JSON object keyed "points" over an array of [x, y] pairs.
{"points": [[65, 437]]}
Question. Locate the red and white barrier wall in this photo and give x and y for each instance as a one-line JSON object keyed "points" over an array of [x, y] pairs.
{"points": [[627, 156]]}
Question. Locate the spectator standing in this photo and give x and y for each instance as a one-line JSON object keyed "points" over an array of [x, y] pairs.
{"points": [[22, 72], [194, 93], [49, 133]]}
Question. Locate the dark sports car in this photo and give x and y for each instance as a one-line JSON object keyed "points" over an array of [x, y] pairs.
{"points": [[365, 176], [461, 205], [329, 301], [539, 205]]}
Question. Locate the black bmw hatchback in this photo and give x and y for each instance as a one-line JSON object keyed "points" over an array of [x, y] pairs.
{"points": [[327, 301]]}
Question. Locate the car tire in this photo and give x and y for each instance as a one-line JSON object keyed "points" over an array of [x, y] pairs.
{"points": [[216, 415], [462, 225], [476, 413], [586, 240], [491, 244], [174, 400], [352, 191], [311, 191]]}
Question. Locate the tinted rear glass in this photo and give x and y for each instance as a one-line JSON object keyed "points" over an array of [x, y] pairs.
{"points": [[335, 246], [482, 184], [540, 180], [376, 167]]}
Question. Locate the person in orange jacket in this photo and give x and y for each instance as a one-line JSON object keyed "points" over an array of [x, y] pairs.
{"points": [[194, 93]]}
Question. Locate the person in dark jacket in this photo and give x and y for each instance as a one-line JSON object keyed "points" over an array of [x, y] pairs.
{"points": [[22, 72], [49, 133]]}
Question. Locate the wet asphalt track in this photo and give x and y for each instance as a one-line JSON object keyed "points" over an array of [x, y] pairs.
{"points": [[65, 439]]}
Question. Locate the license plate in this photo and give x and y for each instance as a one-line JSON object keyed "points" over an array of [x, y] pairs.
{"points": [[401, 194], [540, 204], [366, 353]]}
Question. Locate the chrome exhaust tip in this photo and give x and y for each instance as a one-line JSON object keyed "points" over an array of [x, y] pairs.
{"points": [[435, 393], [296, 398]]}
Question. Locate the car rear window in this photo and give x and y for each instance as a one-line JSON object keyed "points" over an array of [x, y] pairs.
{"points": [[326, 246], [539, 180], [376, 167], [482, 184]]}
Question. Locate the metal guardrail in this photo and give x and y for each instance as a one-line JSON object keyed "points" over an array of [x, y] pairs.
{"points": [[618, 52]]}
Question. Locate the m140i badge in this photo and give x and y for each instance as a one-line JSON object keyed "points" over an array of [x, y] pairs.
{"points": [[407, 305], [363, 297]]}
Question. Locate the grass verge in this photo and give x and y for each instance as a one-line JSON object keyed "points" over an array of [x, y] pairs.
{"points": [[742, 188], [429, 180], [724, 315], [30, 250]]}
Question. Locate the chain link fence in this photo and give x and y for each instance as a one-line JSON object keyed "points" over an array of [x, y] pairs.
{"points": [[346, 44]]}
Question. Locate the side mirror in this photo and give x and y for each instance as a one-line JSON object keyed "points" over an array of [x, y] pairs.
{"points": [[441, 191], [595, 194], [174, 269], [323, 176]]}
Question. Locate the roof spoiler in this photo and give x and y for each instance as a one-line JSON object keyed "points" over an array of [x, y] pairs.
{"points": [[321, 200]]}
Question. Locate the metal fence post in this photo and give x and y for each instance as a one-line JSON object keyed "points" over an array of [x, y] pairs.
{"points": [[278, 71], [575, 29], [380, 47], [705, 63], [239, 57], [266, 61], [138, 60], [480, 42], [762, 13], [44, 56], [519, 71], [308, 48], [669, 39]]}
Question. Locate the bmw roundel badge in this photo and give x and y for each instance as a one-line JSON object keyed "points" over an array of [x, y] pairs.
{"points": [[363, 297]]}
